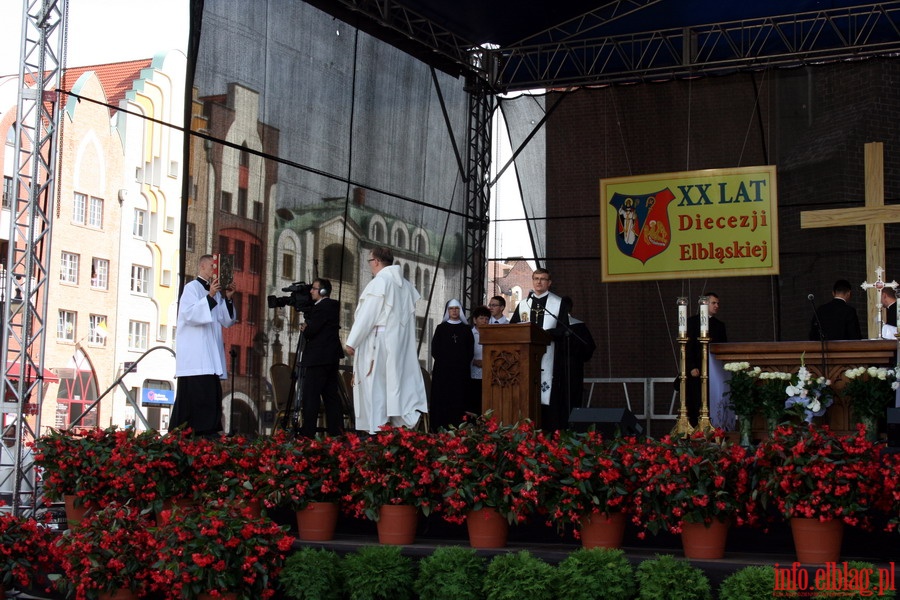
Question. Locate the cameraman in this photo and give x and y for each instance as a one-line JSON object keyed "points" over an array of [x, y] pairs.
{"points": [[319, 361]]}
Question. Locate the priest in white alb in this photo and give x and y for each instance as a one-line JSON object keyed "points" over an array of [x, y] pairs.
{"points": [[387, 382]]}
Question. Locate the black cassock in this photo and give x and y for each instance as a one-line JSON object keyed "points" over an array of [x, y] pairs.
{"points": [[452, 348], [573, 350]]}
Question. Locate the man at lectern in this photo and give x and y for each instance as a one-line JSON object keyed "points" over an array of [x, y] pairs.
{"points": [[545, 309], [839, 320]]}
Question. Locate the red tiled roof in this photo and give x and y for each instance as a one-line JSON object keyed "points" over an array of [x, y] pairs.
{"points": [[115, 78]]}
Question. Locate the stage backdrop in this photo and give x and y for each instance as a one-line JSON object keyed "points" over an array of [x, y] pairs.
{"points": [[711, 223]]}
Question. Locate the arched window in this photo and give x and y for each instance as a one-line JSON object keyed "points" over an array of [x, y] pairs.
{"points": [[419, 279], [421, 244], [406, 271], [426, 282], [378, 232], [399, 238], [288, 258], [78, 390]]}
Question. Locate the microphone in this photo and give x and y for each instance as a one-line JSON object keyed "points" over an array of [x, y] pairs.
{"points": [[812, 299]]}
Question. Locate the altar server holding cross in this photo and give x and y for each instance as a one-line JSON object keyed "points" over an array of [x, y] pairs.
{"points": [[891, 320]]}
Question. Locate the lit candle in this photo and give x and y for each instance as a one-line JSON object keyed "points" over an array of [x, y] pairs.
{"points": [[682, 317], [704, 316]]}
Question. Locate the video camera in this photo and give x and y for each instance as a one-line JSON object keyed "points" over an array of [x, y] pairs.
{"points": [[300, 297]]}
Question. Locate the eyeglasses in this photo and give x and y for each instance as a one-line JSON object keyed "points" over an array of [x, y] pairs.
{"points": [[315, 289]]}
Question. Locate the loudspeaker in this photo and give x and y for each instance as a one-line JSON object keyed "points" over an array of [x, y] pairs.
{"points": [[893, 427], [610, 422]]}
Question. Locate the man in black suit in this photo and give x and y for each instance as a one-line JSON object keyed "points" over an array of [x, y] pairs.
{"points": [[839, 320], [889, 302], [694, 355], [319, 361]]}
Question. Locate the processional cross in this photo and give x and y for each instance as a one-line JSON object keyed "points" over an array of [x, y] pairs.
{"points": [[874, 215], [879, 285]]}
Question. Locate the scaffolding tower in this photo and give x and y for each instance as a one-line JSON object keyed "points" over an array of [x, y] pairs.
{"points": [[25, 277]]}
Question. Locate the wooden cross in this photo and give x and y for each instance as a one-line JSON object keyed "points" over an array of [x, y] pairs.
{"points": [[874, 215]]}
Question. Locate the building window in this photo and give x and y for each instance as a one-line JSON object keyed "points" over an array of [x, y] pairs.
{"points": [[399, 238], [287, 265], [421, 244], [65, 327], [378, 233], [138, 228], [238, 252], [68, 268], [95, 214], [335, 256], [253, 360], [138, 335], [252, 307], [235, 356], [226, 202], [242, 202], [99, 273], [223, 244], [190, 234], [7, 191], [79, 208], [257, 210], [238, 301], [140, 278], [255, 258], [347, 309], [98, 331]]}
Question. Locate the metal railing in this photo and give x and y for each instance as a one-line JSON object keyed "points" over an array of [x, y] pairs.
{"points": [[638, 394]]}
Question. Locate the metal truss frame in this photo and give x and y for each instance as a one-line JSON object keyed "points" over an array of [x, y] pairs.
{"points": [[478, 166], [581, 52], [789, 40], [31, 220]]}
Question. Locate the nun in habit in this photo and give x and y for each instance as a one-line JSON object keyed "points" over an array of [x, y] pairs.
{"points": [[452, 349]]}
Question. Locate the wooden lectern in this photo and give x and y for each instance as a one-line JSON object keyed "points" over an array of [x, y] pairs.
{"points": [[511, 371]]}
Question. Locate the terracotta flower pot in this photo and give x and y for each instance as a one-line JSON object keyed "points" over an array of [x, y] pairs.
{"points": [[397, 524], [817, 542], [599, 530], [702, 541], [222, 596], [119, 594], [162, 516], [317, 521], [74, 514], [487, 528]]}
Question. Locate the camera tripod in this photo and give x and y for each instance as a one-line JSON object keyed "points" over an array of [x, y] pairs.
{"points": [[290, 420]]}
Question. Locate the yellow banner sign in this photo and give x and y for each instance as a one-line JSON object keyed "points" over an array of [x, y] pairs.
{"points": [[712, 223]]}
